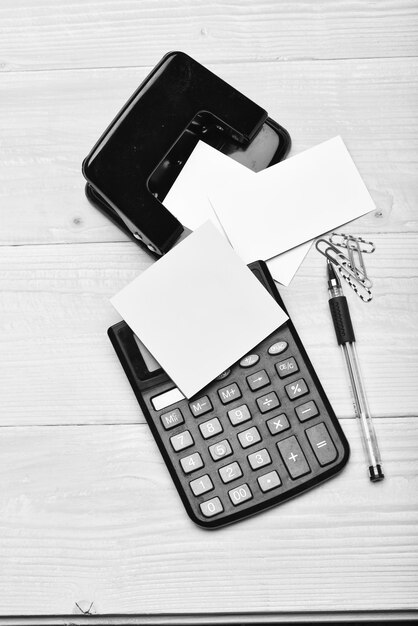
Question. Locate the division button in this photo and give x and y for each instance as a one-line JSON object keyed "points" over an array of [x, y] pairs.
{"points": [[240, 494], [229, 393], [220, 450], [269, 481], [211, 507], [172, 419], [200, 406], [258, 380], [191, 463], [278, 347], [230, 472], [278, 424], [181, 441], [293, 457], [322, 444], [306, 411], [268, 402], [201, 485], [249, 360], [286, 367], [239, 415], [210, 428], [296, 389]]}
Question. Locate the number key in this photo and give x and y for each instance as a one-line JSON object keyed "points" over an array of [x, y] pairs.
{"points": [[181, 441], [259, 459], [240, 494], [201, 485], [239, 415], [220, 450], [210, 428], [211, 507], [249, 437], [191, 463], [230, 472]]}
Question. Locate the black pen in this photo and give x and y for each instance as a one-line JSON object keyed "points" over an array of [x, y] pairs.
{"points": [[346, 339]]}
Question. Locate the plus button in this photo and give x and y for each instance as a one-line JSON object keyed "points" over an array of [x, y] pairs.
{"points": [[293, 457]]}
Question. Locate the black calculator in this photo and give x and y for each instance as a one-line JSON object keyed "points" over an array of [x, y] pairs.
{"points": [[261, 433]]}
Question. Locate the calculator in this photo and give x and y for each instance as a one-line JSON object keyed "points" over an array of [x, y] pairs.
{"points": [[262, 432]]}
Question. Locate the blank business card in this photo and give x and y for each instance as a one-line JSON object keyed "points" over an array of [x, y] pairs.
{"points": [[198, 309]]}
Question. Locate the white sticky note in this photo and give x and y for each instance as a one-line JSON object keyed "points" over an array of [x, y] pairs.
{"points": [[198, 309], [188, 200], [292, 202]]}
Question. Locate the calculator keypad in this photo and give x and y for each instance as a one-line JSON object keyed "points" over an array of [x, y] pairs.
{"points": [[248, 438]]}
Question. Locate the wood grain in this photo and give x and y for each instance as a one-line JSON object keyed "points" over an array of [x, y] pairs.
{"points": [[58, 366], [50, 120], [52, 35], [90, 513]]}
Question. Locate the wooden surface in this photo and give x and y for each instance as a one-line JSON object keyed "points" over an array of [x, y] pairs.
{"points": [[87, 510]]}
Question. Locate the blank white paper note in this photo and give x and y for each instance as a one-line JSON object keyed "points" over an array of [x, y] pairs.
{"points": [[198, 309]]}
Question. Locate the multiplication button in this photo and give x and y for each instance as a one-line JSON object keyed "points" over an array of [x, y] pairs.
{"points": [[278, 424]]}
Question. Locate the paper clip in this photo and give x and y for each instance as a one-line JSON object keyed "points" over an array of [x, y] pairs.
{"points": [[354, 276], [340, 239]]}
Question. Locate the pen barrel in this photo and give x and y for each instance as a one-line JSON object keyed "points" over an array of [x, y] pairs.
{"points": [[362, 411], [342, 320]]}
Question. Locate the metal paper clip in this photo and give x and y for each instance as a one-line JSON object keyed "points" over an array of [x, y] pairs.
{"points": [[353, 275], [341, 239]]}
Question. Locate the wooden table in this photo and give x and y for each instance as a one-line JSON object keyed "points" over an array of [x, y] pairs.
{"points": [[89, 519]]}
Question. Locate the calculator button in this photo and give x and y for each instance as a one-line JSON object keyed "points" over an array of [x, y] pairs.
{"points": [[220, 450], [296, 389], [293, 457], [239, 415], [229, 393], [249, 360], [249, 437], [223, 375], [269, 481], [259, 459], [268, 402], [181, 441], [306, 411], [191, 463], [230, 472], [240, 494], [211, 507], [172, 419], [210, 428], [322, 444], [278, 347], [278, 424], [286, 367], [201, 485], [258, 380], [200, 406]]}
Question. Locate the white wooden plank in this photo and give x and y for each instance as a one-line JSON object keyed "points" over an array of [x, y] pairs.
{"points": [[89, 513], [53, 34], [57, 365], [50, 120]]}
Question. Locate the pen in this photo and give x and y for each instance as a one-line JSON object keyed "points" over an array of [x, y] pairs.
{"points": [[346, 339]]}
